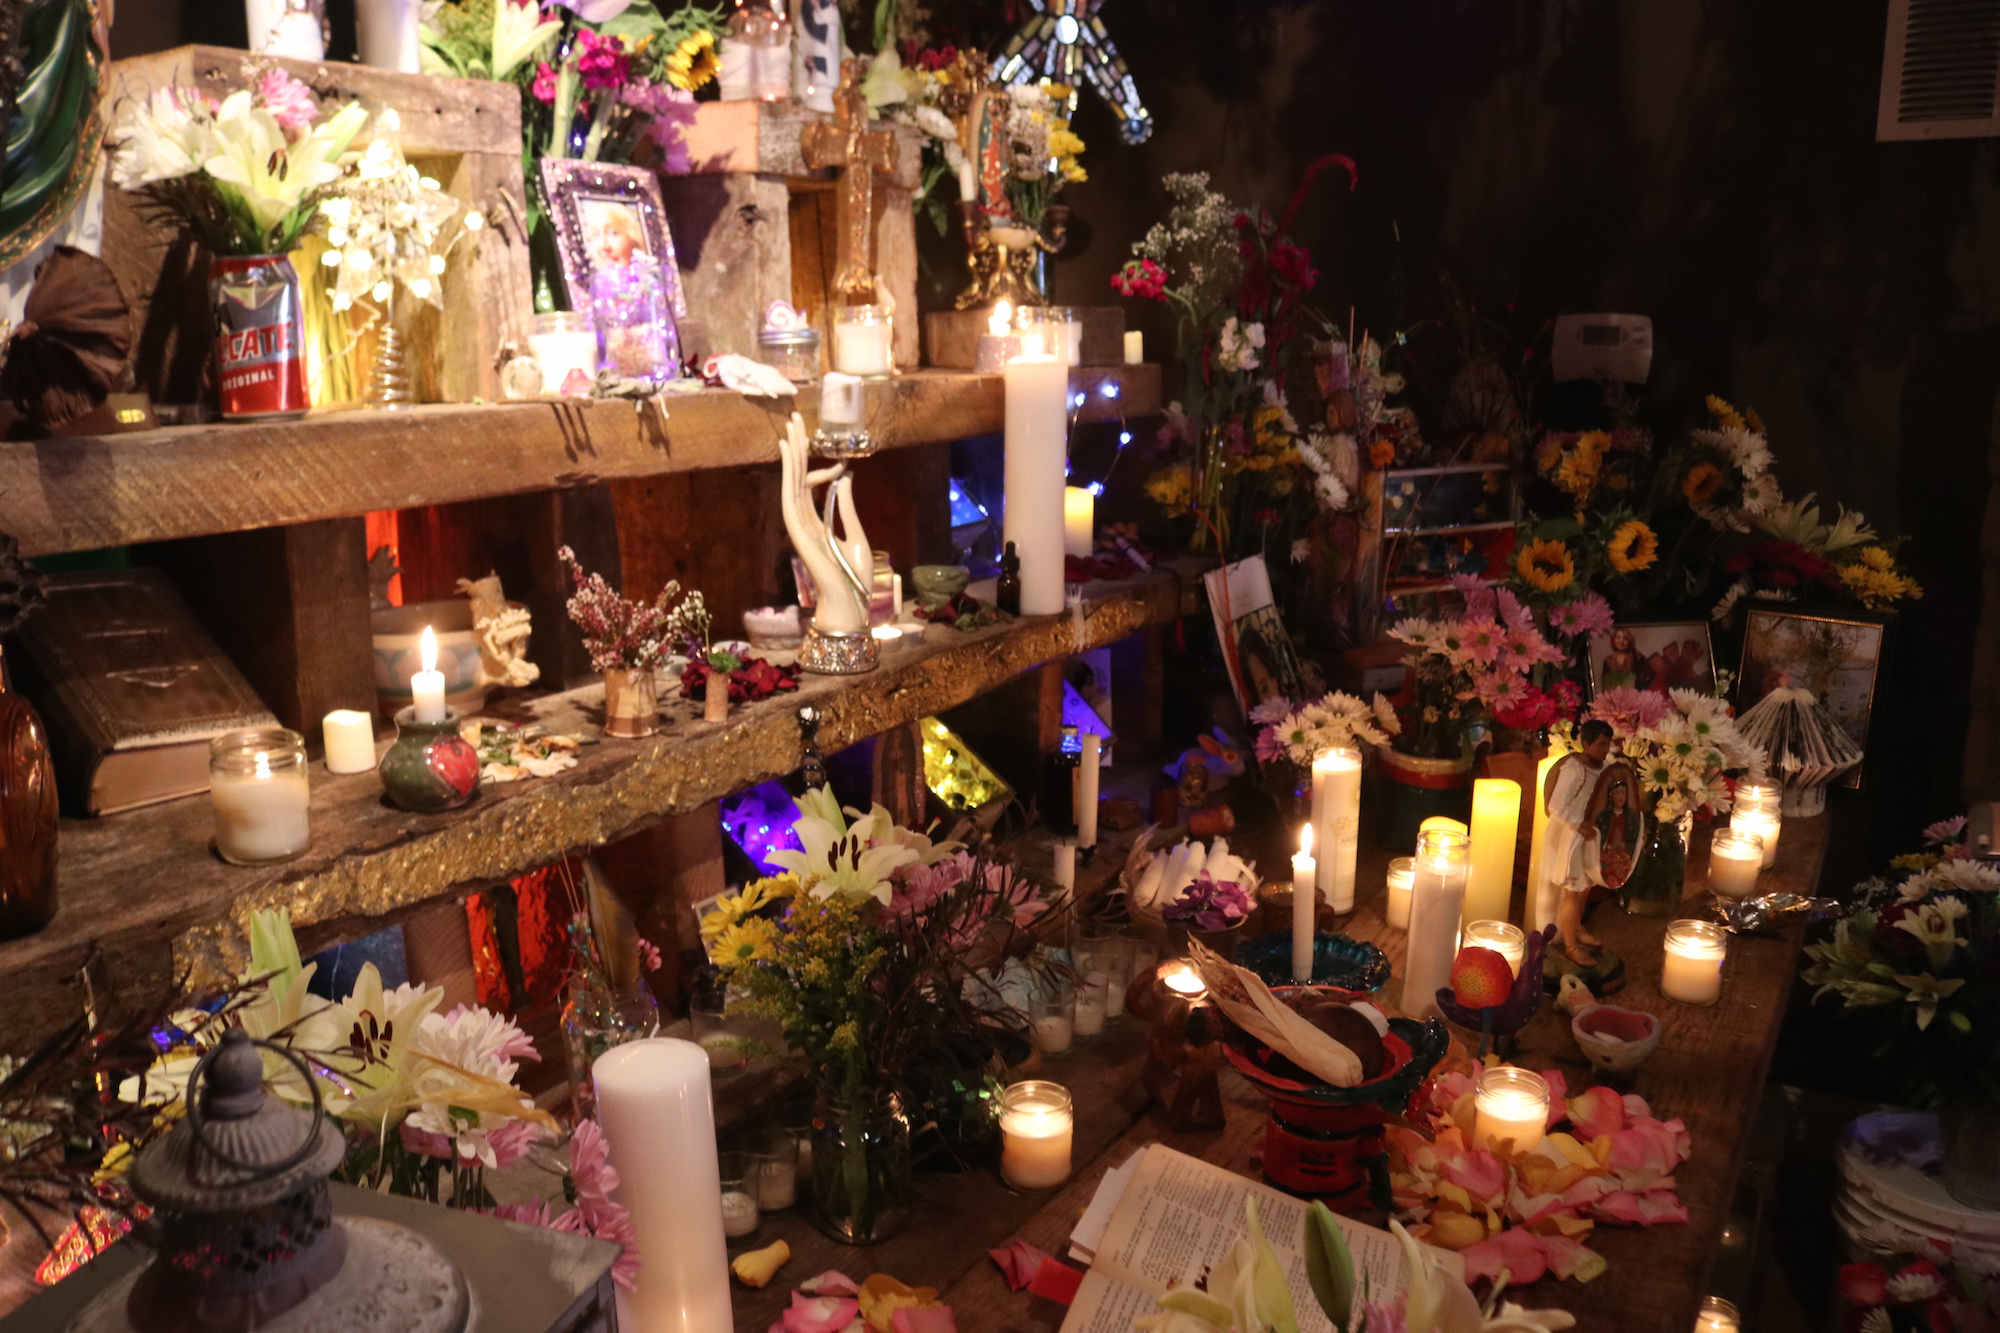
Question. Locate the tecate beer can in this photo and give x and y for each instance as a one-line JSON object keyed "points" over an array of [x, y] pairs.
{"points": [[260, 336]]}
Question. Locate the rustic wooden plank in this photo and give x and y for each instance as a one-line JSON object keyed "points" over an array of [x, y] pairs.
{"points": [[763, 137], [91, 492], [732, 240], [134, 881]]}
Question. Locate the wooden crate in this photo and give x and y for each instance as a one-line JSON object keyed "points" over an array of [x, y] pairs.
{"points": [[465, 133]]}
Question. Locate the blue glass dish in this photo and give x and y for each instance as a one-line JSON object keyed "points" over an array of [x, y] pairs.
{"points": [[1337, 961]]}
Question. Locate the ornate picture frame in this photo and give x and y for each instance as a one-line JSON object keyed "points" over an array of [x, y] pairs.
{"points": [[601, 207]]}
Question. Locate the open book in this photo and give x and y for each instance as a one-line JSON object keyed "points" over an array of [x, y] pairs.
{"points": [[1177, 1215]]}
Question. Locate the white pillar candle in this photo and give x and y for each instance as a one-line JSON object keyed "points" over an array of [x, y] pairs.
{"points": [[653, 1102], [1336, 776], [427, 686], [1135, 347], [1304, 906], [1402, 872], [262, 814], [1734, 858], [1079, 520], [840, 399], [1093, 1004], [1065, 863], [1437, 896], [1089, 780], [1542, 904], [1764, 824], [1037, 1125], [1502, 937], [1692, 970], [1509, 1104], [1496, 821], [350, 741], [1037, 457]]}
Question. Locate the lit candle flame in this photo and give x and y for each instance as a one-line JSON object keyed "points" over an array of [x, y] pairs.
{"points": [[263, 760], [1002, 321], [1306, 840], [1186, 983], [428, 650]]}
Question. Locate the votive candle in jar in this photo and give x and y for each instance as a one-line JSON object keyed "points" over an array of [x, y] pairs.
{"points": [[1509, 1104], [1402, 873], [1734, 858], [1093, 1004], [1717, 1316], [1692, 971], [1502, 937], [1765, 822], [257, 781], [1052, 1016], [740, 1213], [864, 341], [1037, 1125], [564, 342], [1062, 334]]}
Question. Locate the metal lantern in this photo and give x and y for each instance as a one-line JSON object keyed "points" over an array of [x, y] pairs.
{"points": [[246, 1224]]}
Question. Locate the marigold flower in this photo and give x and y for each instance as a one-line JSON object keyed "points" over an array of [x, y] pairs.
{"points": [[1632, 548], [1546, 565]]}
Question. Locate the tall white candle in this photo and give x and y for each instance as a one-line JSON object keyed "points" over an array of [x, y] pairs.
{"points": [[1402, 873], [1088, 782], [1496, 821], [1437, 896], [1037, 1126], [1542, 904], [654, 1104], [1304, 906], [1510, 1104], [350, 741], [1079, 521], [1336, 778], [260, 815], [1037, 449], [1734, 858], [1692, 970], [427, 686], [1065, 863]]}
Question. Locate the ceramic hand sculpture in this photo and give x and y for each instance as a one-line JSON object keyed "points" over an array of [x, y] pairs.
{"points": [[838, 642]]}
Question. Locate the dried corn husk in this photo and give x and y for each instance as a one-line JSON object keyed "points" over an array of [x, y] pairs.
{"points": [[1247, 1001]]}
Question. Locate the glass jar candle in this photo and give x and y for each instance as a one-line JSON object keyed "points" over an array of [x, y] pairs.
{"points": [[1510, 1105], [1502, 937], [564, 345], [1692, 970], [1093, 1003], [793, 353], [864, 341], [257, 782], [757, 53], [1717, 1316], [1052, 1017], [1765, 824], [1734, 858], [1059, 329], [776, 1157], [1402, 873], [636, 337], [1437, 898], [740, 1214], [1037, 1125]]}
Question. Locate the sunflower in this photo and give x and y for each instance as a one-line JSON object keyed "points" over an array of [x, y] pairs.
{"points": [[1578, 472], [1546, 565], [1632, 548], [1701, 483], [693, 62], [1721, 410]]}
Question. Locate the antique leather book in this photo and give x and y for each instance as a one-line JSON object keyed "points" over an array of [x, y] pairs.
{"points": [[131, 689]]}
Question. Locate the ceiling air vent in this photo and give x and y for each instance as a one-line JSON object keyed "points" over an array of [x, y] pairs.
{"points": [[1941, 70]]}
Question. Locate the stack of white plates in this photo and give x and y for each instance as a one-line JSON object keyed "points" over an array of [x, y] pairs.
{"points": [[1890, 1202]]}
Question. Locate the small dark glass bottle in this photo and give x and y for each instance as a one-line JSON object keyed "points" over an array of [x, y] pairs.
{"points": [[1007, 596], [1059, 785]]}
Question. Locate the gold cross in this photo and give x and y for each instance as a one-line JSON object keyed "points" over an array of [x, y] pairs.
{"points": [[850, 144]]}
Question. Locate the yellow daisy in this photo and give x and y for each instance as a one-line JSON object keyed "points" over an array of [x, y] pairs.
{"points": [[1546, 565], [743, 942], [1876, 558], [1578, 472], [1632, 548], [1724, 413]]}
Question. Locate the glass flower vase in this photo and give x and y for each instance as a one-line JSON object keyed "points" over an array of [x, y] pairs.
{"points": [[861, 1166], [595, 1018], [1659, 872]]}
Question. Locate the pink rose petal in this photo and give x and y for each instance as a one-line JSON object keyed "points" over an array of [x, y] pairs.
{"points": [[832, 1282], [1596, 1111], [1518, 1252], [1479, 1174], [1570, 1258], [820, 1314], [1558, 1095], [924, 1319], [1019, 1261]]}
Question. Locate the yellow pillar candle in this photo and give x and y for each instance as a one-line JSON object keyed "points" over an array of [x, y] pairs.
{"points": [[1079, 521], [1541, 906], [1692, 971], [1496, 820], [1510, 1105]]}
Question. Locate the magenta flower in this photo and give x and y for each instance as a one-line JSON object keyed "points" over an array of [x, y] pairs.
{"points": [[1209, 904], [289, 101], [602, 61], [544, 86]]}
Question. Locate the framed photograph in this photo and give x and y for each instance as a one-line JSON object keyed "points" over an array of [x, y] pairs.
{"points": [[605, 216], [1265, 665], [1835, 656], [1668, 655]]}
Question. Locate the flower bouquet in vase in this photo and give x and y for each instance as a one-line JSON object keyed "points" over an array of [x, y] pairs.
{"points": [[1464, 669], [877, 954]]}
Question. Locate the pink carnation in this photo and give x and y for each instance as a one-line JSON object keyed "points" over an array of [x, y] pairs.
{"points": [[290, 102]]}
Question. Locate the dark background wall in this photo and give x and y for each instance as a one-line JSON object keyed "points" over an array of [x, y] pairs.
{"points": [[1712, 165]]}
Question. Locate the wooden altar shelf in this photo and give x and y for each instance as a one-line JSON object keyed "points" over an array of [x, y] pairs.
{"points": [[145, 891], [187, 481]]}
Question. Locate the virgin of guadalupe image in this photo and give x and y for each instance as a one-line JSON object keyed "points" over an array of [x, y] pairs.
{"points": [[1620, 824]]}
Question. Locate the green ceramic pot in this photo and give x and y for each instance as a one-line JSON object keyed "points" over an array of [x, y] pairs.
{"points": [[430, 767]]}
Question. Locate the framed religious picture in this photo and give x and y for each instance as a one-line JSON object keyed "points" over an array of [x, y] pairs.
{"points": [[1663, 656], [606, 217], [1835, 657]]}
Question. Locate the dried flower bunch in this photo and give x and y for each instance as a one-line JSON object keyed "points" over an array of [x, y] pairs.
{"points": [[387, 224], [626, 635]]}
